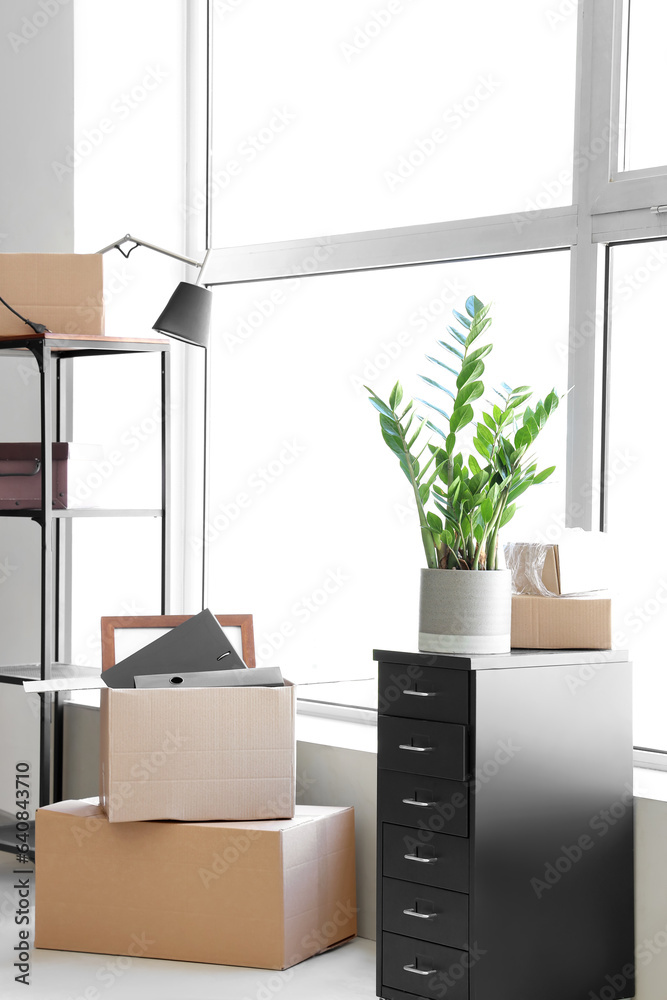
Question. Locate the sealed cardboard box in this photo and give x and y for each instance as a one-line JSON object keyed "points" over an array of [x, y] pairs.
{"points": [[64, 291], [561, 622], [266, 895], [198, 753], [21, 476]]}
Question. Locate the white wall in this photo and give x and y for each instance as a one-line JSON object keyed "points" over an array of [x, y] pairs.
{"points": [[36, 214]]}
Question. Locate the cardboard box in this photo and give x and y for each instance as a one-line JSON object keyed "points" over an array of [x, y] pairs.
{"points": [[21, 486], [266, 895], [577, 564], [198, 753], [64, 291], [561, 622]]}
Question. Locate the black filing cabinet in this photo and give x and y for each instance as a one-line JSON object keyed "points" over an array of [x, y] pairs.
{"points": [[505, 826]]}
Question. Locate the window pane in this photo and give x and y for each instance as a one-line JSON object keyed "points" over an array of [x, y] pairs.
{"points": [[634, 478], [645, 136], [333, 117], [311, 527]]}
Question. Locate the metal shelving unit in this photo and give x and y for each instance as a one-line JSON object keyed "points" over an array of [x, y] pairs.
{"points": [[50, 351]]}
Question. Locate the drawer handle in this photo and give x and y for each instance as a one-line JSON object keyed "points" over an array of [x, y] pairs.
{"points": [[419, 972], [422, 916], [420, 694], [408, 746], [424, 861], [418, 802]]}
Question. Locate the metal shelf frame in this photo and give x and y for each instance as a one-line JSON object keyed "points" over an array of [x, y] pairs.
{"points": [[49, 351]]}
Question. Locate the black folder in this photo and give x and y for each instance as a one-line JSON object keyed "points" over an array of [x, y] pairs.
{"points": [[198, 644]]}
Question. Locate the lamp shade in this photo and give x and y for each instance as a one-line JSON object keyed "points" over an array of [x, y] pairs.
{"points": [[187, 315]]}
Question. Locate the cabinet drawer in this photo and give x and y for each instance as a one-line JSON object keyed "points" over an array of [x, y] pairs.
{"points": [[423, 747], [425, 912], [416, 692], [425, 802], [427, 858], [429, 970]]}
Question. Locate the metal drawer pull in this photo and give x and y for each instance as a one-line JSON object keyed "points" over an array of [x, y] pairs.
{"points": [[418, 802], [408, 746], [422, 916], [424, 861], [419, 972], [420, 694]]}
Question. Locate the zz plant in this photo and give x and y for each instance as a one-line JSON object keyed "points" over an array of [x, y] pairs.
{"points": [[473, 497]]}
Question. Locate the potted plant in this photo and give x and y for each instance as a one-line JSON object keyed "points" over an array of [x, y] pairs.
{"points": [[463, 502]]}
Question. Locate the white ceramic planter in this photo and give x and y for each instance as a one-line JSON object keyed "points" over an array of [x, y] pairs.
{"points": [[462, 611]]}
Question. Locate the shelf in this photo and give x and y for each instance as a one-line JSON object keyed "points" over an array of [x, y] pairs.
{"points": [[74, 512], [17, 673], [78, 345]]}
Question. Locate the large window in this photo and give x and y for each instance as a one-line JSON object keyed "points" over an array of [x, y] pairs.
{"points": [[313, 107]]}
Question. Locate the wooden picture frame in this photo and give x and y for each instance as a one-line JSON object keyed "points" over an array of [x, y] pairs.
{"points": [[109, 626]]}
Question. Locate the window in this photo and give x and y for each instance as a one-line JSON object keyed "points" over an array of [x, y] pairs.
{"points": [[342, 115], [496, 207]]}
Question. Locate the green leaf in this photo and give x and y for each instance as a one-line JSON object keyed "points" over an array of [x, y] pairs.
{"points": [[461, 417], [482, 448], [469, 372], [480, 352], [517, 401], [436, 385], [541, 415], [477, 328], [486, 510], [519, 389], [424, 493], [454, 350], [396, 396], [520, 488], [432, 406], [434, 521], [469, 393], [382, 407], [474, 465], [531, 423], [436, 361], [463, 320], [541, 476], [507, 514], [457, 336], [551, 402], [450, 442], [522, 438], [497, 413], [473, 305], [485, 434], [489, 421]]}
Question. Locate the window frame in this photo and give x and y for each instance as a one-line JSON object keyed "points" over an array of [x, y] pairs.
{"points": [[609, 206]]}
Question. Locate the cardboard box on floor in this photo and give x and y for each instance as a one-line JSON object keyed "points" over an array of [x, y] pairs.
{"points": [[198, 753], [266, 895], [64, 291]]}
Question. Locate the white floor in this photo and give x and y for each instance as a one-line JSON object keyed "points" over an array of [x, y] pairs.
{"points": [[347, 973]]}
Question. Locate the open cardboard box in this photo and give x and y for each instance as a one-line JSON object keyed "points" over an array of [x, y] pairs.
{"points": [[266, 895], [63, 291], [580, 621]]}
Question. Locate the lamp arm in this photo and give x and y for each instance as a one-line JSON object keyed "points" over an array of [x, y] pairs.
{"points": [[151, 246]]}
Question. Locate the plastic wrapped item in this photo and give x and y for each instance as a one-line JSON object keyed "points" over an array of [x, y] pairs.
{"points": [[526, 562]]}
